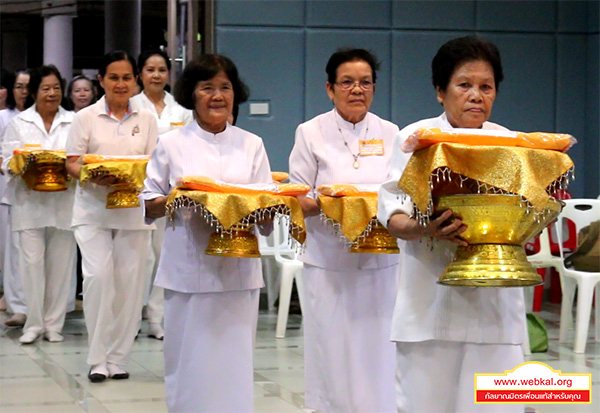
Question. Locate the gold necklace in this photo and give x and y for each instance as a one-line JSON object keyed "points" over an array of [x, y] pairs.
{"points": [[356, 164]]}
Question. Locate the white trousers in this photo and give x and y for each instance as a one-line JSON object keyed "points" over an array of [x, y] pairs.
{"points": [[47, 256], [113, 264], [438, 376], [155, 307], [13, 285], [349, 358], [208, 346]]}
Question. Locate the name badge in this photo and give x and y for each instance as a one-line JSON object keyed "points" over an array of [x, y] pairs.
{"points": [[33, 145], [135, 130], [373, 147], [176, 125]]}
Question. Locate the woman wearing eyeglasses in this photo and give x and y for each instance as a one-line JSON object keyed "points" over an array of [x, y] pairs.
{"points": [[349, 298]]}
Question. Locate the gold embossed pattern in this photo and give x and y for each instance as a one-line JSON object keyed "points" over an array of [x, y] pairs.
{"points": [[522, 171], [226, 210]]}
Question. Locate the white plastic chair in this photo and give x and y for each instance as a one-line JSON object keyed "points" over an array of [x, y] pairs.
{"points": [[290, 269], [582, 212], [267, 258], [266, 246], [544, 258]]}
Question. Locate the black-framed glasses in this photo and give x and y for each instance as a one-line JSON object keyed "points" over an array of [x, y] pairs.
{"points": [[351, 84]]}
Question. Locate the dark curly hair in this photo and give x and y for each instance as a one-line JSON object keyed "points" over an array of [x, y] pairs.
{"points": [[458, 51], [350, 55], [203, 68]]}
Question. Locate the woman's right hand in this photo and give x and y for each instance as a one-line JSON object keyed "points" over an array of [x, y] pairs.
{"points": [[104, 180], [157, 207], [403, 227], [310, 206], [441, 228]]}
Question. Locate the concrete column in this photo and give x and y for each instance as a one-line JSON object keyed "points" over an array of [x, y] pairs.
{"points": [[123, 26], [58, 44]]}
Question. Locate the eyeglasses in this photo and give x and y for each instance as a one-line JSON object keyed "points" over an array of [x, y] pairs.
{"points": [[351, 84]]}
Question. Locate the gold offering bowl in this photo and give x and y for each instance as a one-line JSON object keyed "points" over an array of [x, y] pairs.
{"points": [[46, 175], [124, 195], [238, 242], [497, 228], [379, 241]]}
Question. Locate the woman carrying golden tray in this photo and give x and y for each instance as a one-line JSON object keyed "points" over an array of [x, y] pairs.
{"points": [[211, 302], [446, 334]]}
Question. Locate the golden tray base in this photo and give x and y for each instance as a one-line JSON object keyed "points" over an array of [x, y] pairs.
{"points": [[46, 176], [241, 243], [379, 241], [497, 228], [122, 198]]}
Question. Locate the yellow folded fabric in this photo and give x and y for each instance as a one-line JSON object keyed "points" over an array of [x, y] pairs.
{"points": [[340, 190], [425, 137], [280, 176], [23, 158], [130, 172], [225, 210], [203, 183], [90, 158], [352, 213], [444, 167]]}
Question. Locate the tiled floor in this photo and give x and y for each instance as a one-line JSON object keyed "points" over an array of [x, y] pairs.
{"points": [[51, 377]]}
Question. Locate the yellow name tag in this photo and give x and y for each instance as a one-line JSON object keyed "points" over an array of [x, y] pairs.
{"points": [[176, 125], [33, 145], [373, 147]]}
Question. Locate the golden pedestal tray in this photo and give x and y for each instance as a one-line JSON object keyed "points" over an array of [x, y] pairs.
{"points": [[233, 215], [130, 173], [354, 217], [497, 228], [239, 242], [42, 170], [502, 193]]}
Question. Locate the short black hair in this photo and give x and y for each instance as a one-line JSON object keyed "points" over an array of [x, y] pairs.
{"points": [[35, 80], [203, 68], [10, 97], [456, 52], [350, 55], [116, 56], [7, 79], [146, 54]]}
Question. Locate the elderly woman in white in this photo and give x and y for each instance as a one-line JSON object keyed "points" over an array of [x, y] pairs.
{"points": [[211, 303], [349, 298], [444, 335], [43, 219]]}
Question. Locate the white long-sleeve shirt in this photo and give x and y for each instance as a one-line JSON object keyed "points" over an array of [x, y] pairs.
{"points": [[34, 209], [320, 157], [233, 156], [426, 310]]}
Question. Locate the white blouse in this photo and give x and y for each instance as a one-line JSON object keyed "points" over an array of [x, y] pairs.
{"points": [[95, 131], [35, 209], [426, 310], [319, 157], [173, 115], [233, 156]]}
